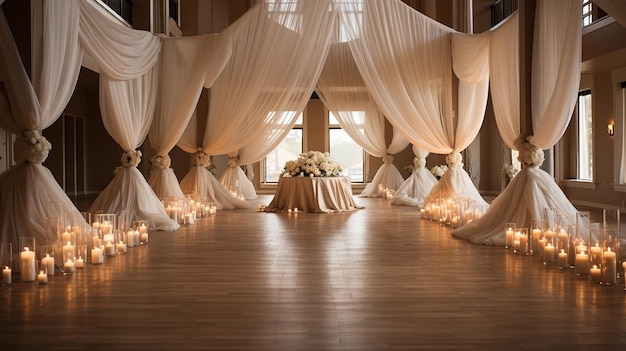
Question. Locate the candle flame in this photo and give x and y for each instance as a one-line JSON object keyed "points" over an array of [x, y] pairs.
{"points": [[26, 248]]}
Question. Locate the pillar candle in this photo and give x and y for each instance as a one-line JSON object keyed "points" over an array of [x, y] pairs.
{"points": [[562, 259], [27, 260], [69, 266], [142, 228], [523, 243], [595, 273], [144, 238], [609, 267], [6, 275], [96, 256], [509, 237], [120, 247], [109, 249], [66, 236], [42, 277], [68, 251], [548, 253], [48, 262], [80, 263], [582, 263]]}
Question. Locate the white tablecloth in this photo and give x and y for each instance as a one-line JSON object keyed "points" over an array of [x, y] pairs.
{"points": [[313, 194]]}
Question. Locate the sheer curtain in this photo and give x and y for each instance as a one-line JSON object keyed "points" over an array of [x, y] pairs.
{"points": [[343, 92], [199, 180], [404, 58], [418, 185], [556, 75], [236, 179], [185, 64], [27, 188]]}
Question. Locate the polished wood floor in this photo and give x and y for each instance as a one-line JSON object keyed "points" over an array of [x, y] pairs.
{"points": [[375, 279]]}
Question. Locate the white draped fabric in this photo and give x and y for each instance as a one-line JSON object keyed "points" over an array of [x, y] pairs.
{"points": [[418, 185], [404, 59], [556, 60], [276, 60], [199, 180], [179, 91], [127, 108], [27, 188], [343, 92], [236, 180]]}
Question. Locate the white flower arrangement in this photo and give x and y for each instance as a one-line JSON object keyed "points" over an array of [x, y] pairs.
{"points": [[439, 171], [508, 171], [32, 147], [454, 159], [233, 162], [201, 159], [529, 154], [418, 162], [388, 159], [131, 158], [161, 162], [312, 164]]}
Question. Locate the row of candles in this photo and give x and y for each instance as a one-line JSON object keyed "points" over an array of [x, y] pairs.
{"points": [[573, 242], [74, 248], [186, 210], [452, 211]]}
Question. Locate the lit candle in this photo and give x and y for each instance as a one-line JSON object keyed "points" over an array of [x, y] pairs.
{"points": [[509, 237], [143, 228], [68, 250], [523, 242], [69, 267], [96, 256], [562, 259], [582, 262], [536, 236], [109, 249], [549, 234], [120, 247], [6, 275], [42, 277], [548, 253], [48, 262], [595, 273], [108, 238], [144, 238], [27, 259], [541, 247], [422, 213], [66, 236], [609, 267], [80, 263]]}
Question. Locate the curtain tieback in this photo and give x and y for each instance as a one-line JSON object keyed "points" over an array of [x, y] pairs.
{"points": [[31, 147]]}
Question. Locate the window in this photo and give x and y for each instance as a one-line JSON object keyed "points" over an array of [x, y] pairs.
{"points": [[345, 151], [591, 13], [288, 149], [584, 137]]}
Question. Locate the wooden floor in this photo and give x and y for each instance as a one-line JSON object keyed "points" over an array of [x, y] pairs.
{"points": [[375, 279]]}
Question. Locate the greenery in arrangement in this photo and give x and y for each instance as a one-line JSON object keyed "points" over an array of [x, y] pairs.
{"points": [[312, 164]]}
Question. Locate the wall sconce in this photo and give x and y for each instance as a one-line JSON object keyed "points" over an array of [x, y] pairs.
{"points": [[611, 129]]}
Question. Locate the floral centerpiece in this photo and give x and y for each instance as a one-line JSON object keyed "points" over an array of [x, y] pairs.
{"points": [[312, 164], [507, 171], [439, 171], [529, 154], [418, 162]]}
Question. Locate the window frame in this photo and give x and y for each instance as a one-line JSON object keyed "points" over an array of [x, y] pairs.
{"points": [[328, 127]]}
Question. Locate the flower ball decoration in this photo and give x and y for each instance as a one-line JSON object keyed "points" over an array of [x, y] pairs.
{"points": [[201, 159], [31, 147], [529, 154], [439, 171], [233, 162], [454, 159], [312, 164], [161, 162], [131, 158], [388, 159]]}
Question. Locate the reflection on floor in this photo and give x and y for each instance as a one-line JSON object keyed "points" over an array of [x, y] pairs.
{"points": [[374, 279]]}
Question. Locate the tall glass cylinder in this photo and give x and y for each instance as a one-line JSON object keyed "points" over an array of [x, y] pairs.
{"points": [[610, 250], [509, 232], [595, 255], [535, 235], [549, 236], [46, 256], [28, 267]]}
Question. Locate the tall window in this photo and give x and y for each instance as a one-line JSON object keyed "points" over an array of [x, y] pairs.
{"points": [[287, 150], [585, 137], [345, 151], [587, 13]]}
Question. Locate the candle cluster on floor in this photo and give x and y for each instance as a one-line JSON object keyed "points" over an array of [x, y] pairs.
{"points": [[571, 242], [186, 210], [452, 211]]}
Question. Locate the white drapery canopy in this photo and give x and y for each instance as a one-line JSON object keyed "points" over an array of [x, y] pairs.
{"points": [[556, 76], [343, 92]]}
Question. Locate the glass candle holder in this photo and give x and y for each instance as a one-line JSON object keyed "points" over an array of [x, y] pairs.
{"points": [[141, 226], [522, 241], [46, 256], [107, 224], [509, 233], [581, 264], [595, 255], [535, 235], [610, 250], [6, 263], [28, 267], [562, 248], [97, 254], [121, 246], [42, 276]]}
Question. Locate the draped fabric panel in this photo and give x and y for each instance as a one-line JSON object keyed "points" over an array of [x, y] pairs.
{"points": [[343, 92], [276, 59], [127, 108], [27, 188], [404, 59], [418, 185], [556, 59], [185, 66], [121, 53], [235, 179], [200, 181]]}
